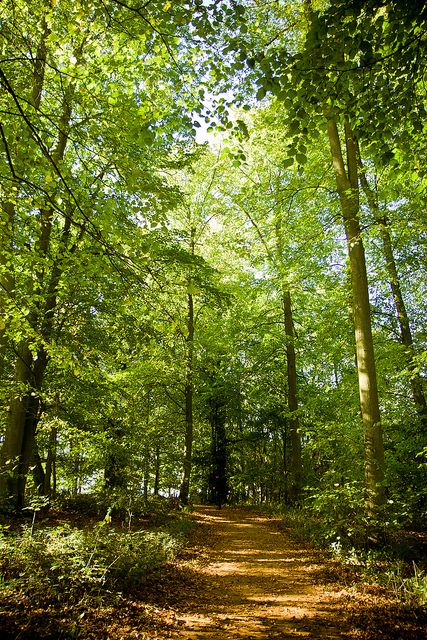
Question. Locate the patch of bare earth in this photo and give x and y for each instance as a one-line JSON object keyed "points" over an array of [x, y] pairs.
{"points": [[258, 583]]}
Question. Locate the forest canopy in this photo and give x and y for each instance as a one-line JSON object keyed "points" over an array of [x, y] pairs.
{"points": [[213, 238]]}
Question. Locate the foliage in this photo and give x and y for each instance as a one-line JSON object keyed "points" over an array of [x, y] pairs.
{"points": [[391, 565], [103, 245], [410, 589], [66, 562]]}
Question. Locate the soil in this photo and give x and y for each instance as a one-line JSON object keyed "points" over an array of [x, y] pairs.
{"points": [[253, 580], [259, 584]]}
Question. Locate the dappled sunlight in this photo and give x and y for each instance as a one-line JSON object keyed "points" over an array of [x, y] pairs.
{"points": [[259, 585]]}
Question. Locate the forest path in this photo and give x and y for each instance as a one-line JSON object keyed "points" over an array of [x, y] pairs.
{"points": [[260, 584]]}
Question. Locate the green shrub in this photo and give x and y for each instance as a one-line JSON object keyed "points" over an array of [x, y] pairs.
{"points": [[341, 513], [64, 559], [340, 510], [87, 504], [125, 506]]}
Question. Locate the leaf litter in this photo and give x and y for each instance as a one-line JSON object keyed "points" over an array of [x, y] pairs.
{"points": [[241, 577]]}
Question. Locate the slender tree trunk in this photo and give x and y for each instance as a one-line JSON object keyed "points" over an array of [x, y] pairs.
{"points": [[348, 190], [394, 282], [294, 488], [76, 479], [294, 433], [49, 488], [146, 473], [188, 443], [217, 418], [54, 474], [284, 436], [115, 458], [10, 484], [23, 417], [157, 472], [189, 388], [24, 408], [7, 285], [39, 475]]}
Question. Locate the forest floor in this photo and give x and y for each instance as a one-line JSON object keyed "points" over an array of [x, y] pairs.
{"points": [[256, 581], [259, 583], [242, 577]]}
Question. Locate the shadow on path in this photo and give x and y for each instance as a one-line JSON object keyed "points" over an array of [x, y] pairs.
{"points": [[259, 584]]}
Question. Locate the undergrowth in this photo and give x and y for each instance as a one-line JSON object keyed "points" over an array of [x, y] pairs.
{"points": [[368, 551], [63, 562]]}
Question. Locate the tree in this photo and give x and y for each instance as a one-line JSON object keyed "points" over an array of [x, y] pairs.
{"points": [[396, 290], [89, 177], [287, 76], [348, 190]]}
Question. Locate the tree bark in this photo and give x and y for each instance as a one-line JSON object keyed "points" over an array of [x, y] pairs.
{"points": [[157, 471], [396, 291], [218, 483], [23, 417], [348, 190], [188, 441], [7, 284], [115, 458], [10, 484], [291, 371], [49, 488], [293, 488]]}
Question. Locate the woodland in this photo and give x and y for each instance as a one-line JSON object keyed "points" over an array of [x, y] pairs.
{"points": [[213, 241]]}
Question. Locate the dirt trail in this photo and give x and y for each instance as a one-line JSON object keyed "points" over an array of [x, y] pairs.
{"points": [[260, 584]]}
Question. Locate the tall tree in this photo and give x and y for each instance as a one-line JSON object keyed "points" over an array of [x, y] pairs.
{"points": [[84, 158], [189, 385], [348, 189], [396, 290]]}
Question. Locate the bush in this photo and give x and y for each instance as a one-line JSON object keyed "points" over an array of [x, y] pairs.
{"points": [[340, 510], [52, 562], [409, 588]]}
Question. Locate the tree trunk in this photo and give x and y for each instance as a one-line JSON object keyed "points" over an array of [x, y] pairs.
{"points": [[7, 214], [188, 443], [146, 473], [396, 291], [348, 190], [50, 474], [284, 436], [189, 387], [29, 371], [217, 417], [295, 438], [39, 475], [18, 448], [115, 458], [157, 471], [24, 415], [10, 484]]}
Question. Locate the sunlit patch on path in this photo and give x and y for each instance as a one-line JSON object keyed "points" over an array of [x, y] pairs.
{"points": [[259, 585]]}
